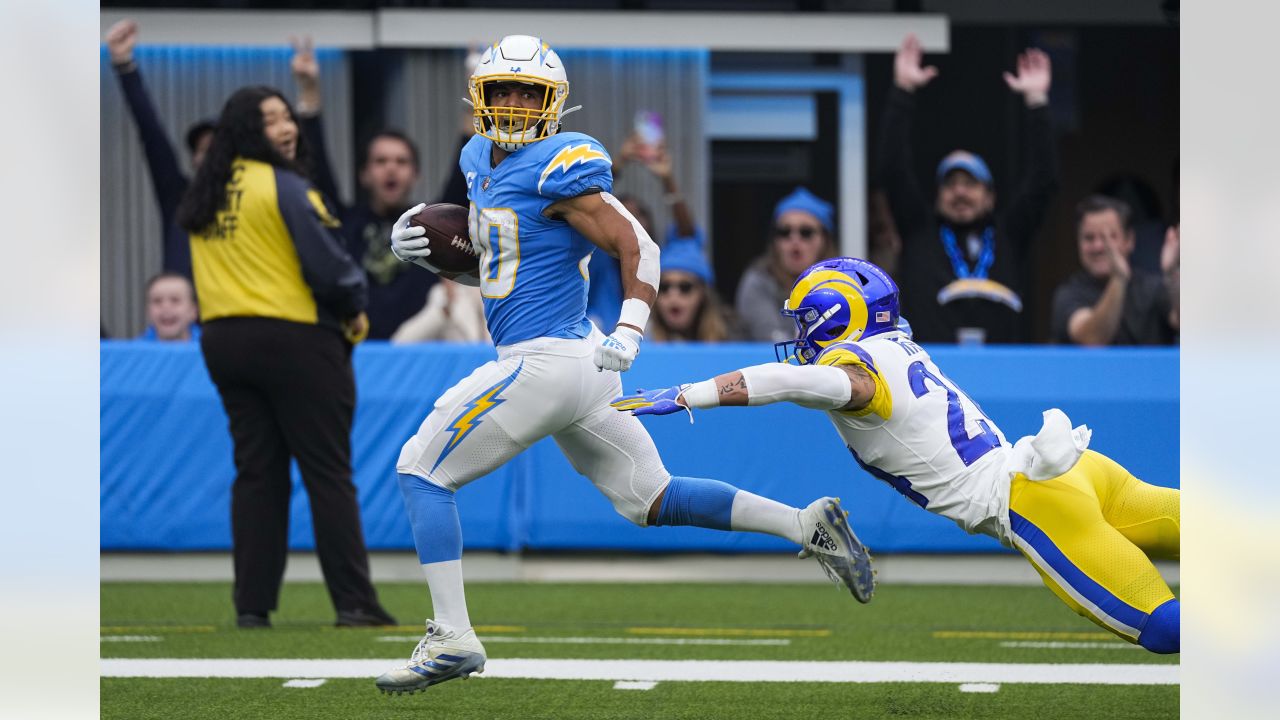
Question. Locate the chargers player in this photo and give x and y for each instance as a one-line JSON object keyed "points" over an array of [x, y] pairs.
{"points": [[540, 205], [1080, 518]]}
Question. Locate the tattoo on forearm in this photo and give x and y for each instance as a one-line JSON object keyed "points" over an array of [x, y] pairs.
{"points": [[733, 386]]}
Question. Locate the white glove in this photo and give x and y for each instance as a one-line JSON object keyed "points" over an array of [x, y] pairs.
{"points": [[408, 243], [619, 350]]}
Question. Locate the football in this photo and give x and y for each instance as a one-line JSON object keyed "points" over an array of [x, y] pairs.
{"points": [[446, 226]]}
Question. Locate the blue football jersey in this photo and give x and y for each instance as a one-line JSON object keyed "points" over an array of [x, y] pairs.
{"points": [[533, 269]]}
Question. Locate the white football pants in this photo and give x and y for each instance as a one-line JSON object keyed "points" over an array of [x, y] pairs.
{"points": [[540, 387]]}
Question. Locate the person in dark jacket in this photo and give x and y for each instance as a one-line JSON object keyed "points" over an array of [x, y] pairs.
{"points": [[282, 303], [389, 172], [1110, 301], [963, 269]]}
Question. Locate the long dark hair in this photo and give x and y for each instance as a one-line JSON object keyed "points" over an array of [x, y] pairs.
{"points": [[239, 133]]}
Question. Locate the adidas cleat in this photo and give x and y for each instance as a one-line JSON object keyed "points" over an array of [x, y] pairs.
{"points": [[442, 654], [830, 540]]}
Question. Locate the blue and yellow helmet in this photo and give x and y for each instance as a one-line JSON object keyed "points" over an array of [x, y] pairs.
{"points": [[838, 300]]}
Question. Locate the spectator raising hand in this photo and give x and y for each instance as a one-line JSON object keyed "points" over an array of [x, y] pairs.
{"points": [[306, 73], [908, 73], [963, 265], [1110, 302], [1033, 79], [120, 41]]}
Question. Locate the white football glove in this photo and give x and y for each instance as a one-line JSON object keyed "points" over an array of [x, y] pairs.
{"points": [[408, 243], [617, 351]]}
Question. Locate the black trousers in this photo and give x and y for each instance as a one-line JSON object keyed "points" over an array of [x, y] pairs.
{"points": [[289, 390]]}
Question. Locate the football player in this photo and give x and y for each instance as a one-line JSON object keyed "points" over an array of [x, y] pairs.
{"points": [[1084, 522], [541, 203]]}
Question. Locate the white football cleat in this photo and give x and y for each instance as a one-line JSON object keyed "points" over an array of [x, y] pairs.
{"points": [[829, 539], [442, 654]]}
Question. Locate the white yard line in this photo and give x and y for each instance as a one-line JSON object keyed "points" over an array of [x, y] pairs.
{"points": [[305, 683], [634, 685], [671, 670], [979, 687], [130, 638], [604, 640]]}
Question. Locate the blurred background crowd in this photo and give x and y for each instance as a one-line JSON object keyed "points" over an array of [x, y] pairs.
{"points": [[1022, 186]]}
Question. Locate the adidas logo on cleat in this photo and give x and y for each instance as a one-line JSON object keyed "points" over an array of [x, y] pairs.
{"points": [[822, 539]]}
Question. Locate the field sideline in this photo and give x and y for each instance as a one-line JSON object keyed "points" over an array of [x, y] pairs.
{"points": [[621, 651]]}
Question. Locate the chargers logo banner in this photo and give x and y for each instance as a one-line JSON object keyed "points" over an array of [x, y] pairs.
{"points": [[569, 156]]}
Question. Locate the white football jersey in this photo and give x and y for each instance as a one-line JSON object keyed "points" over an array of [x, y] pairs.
{"points": [[924, 436]]}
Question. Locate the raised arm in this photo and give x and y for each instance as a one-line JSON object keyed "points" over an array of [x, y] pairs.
{"points": [[607, 223], [306, 75], [1040, 175], [659, 163], [820, 387], [1097, 324], [895, 163], [167, 179]]}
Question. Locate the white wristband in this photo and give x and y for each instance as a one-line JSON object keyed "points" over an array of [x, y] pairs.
{"points": [[634, 312], [701, 395]]}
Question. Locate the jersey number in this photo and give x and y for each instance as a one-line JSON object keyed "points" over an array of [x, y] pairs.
{"points": [[970, 449], [496, 231]]}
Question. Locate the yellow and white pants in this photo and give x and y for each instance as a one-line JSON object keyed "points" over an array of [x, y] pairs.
{"points": [[1091, 534]]}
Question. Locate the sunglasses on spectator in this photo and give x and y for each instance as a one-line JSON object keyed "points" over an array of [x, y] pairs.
{"points": [[684, 287], [803, 231]]}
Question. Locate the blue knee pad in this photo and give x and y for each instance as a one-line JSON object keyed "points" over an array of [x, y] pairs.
{"points": [[437, 532], [1162, 633], [699, 502]]}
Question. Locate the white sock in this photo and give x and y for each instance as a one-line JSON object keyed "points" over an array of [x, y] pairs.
{"points": [[448, 599], [760, 514]]}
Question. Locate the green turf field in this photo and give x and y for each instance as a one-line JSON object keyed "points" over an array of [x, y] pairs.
{"points": [[1015, 627]]}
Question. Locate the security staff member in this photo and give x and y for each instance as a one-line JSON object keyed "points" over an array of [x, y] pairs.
{"points": [[282, 304]]}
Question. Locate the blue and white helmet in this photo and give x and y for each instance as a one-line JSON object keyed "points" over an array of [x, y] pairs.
{"points": [[521, 59], [838, 300]]}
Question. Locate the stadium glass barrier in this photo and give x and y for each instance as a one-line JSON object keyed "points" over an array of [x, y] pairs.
{"points": [[167, 471]]}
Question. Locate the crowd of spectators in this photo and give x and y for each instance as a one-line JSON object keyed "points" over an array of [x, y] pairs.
{"points": [[961, 258]]}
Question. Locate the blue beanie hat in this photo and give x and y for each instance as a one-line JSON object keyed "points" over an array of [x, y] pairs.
{"points": [[805, 201], [686, 256]]}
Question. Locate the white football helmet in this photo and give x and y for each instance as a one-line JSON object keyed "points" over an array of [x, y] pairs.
{"points": [[521, 59]]}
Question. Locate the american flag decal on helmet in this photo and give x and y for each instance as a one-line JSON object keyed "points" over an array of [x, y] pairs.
{"points": [[882, 316]]}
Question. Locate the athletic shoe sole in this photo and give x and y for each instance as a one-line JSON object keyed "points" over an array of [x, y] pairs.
{"points": [[864, 580], [436, 673]]}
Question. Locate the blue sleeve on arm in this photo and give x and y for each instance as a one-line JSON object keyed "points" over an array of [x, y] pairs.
{"points": [[335, 279], [167, 179]]}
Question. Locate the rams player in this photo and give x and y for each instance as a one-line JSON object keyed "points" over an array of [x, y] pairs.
{"points": [[540, 205], [1081, 519]]}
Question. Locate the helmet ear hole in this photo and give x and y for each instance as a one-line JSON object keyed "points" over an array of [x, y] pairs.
{"points": [[837, 331]]}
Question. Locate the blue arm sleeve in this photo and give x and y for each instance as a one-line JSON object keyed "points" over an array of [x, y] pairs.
{"points": [[335, 279], [166, 176]]}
